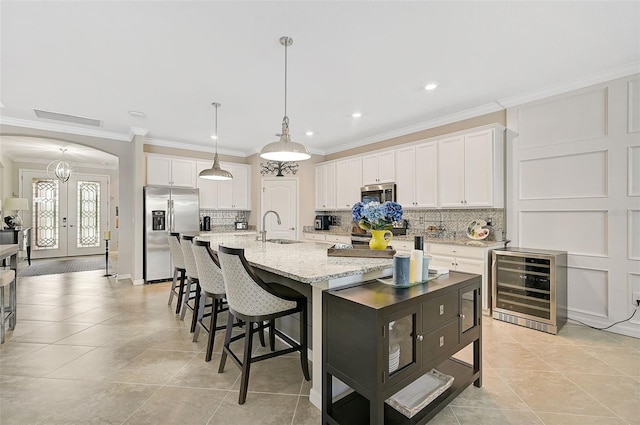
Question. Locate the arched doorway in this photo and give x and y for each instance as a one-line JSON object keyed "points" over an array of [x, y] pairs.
{"points": [[66, 218]]}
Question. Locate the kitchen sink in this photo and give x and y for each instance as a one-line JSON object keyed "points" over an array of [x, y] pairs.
{"points": [[283, 241]]}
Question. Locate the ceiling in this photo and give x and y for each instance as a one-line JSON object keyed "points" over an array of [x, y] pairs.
{"points": [[171, 60]]}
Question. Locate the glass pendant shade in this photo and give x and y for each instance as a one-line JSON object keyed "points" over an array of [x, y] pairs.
{"points": [[285, 149], [215, 172]]}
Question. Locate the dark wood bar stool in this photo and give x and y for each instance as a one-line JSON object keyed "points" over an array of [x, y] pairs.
{"points": [[179, 271], [255, 302], [211, 286], [192, 289]]}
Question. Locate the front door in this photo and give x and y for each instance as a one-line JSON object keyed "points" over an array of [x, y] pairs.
{"points": [[66, 219], [280, 195]]}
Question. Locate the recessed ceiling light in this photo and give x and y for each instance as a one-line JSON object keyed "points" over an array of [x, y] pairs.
{"points": [[356, 115], [309, 133], [136, 113], [214, 137], [431, 86]]}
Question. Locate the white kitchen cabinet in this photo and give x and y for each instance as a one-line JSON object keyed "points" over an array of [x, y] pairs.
{"points": [[337, 238], [314, 236], [464, 259], [235, 194], [164, 170], [208, 188], [471, 170], [416, 175], [348, 182], [326, 186], [379, 168], [405, 246]]}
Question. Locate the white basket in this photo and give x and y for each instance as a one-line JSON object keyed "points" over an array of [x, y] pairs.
{"points": [[415, 396]]}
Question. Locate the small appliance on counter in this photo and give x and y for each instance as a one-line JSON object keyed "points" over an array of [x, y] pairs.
{"points": [[241, 222], [322, 222], [206, 223]]}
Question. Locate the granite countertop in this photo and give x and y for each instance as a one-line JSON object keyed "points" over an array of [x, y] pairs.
{"points": [[437, 240], [306, 262]]}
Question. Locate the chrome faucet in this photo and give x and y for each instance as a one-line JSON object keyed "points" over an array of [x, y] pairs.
{"points": [[263, 232]]}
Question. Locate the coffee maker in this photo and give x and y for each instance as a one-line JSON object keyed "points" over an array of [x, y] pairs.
{"points": [[322, 222]]}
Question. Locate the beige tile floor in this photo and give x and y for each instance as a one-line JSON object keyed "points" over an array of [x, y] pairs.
{"points": [[91, 350]]}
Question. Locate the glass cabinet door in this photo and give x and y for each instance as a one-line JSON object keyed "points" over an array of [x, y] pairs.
{"points": [[401, 342], [468, 313]]}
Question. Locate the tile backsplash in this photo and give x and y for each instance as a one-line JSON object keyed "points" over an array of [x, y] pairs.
{"points": [[225, 217], [452, 222]]}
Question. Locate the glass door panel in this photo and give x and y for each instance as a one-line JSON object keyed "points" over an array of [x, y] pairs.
{"points": [[468, 306], [67, 218], [401, 343]]}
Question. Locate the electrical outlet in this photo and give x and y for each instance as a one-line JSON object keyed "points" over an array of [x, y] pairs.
{"points": [[635, 299], [421, 220]]}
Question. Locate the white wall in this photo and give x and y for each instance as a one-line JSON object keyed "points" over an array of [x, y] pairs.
{"points": [[574, 185]]}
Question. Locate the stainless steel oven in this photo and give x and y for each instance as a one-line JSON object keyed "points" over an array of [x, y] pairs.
{"points": [[378, 193]]}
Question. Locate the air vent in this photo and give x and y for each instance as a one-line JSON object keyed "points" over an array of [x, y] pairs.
{"points": [[67, 118]]}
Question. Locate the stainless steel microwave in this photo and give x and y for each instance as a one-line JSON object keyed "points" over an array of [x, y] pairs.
{"points": [[378, 193]]}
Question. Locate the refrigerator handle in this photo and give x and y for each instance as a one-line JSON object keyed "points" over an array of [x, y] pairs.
{"points": [[171, 215]]}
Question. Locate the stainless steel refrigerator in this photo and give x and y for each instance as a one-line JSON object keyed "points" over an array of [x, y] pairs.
{"points": [[166, 209]]}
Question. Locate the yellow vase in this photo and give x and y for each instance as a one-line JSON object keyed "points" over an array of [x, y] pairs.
{"points": [[379, 240]]}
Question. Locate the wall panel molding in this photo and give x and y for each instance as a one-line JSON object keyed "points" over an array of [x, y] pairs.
{"points": [[633, 232], [582, 116], [633, 107], [579, 232], [633, 170], [579, 175], [588, 291]]}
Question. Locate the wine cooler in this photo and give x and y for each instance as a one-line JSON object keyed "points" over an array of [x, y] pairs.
{"points": [[530, 288]]}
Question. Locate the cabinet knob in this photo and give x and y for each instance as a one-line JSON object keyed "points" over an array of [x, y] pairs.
{"points": [[462, 316], [419, 337]]}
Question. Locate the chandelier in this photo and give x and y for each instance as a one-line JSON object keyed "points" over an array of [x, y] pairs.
{"points": [[61, 169]]}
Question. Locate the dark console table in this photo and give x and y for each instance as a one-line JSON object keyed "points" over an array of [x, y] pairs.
{"points": [[378, 339], [21, 237]]}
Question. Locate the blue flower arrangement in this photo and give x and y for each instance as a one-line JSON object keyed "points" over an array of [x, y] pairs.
{"points": [[376, 216]]}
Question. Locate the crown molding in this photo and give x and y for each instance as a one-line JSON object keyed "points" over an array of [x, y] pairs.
{"points": [[192, 147], [138, 131], [6, 154], [602, 77], [425, 125], [57, 128]]}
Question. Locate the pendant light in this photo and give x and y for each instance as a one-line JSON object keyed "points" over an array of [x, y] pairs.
{"points": [[215, 172], [285, 149]]}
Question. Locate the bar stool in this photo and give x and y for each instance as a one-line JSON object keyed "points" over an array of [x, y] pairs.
{"points": [[7, 280], [211, 286], [192, 289], [255, 301], [178, 269]]}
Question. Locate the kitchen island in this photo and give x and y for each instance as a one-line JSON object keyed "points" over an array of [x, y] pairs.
{"points": [[305, 263]]}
